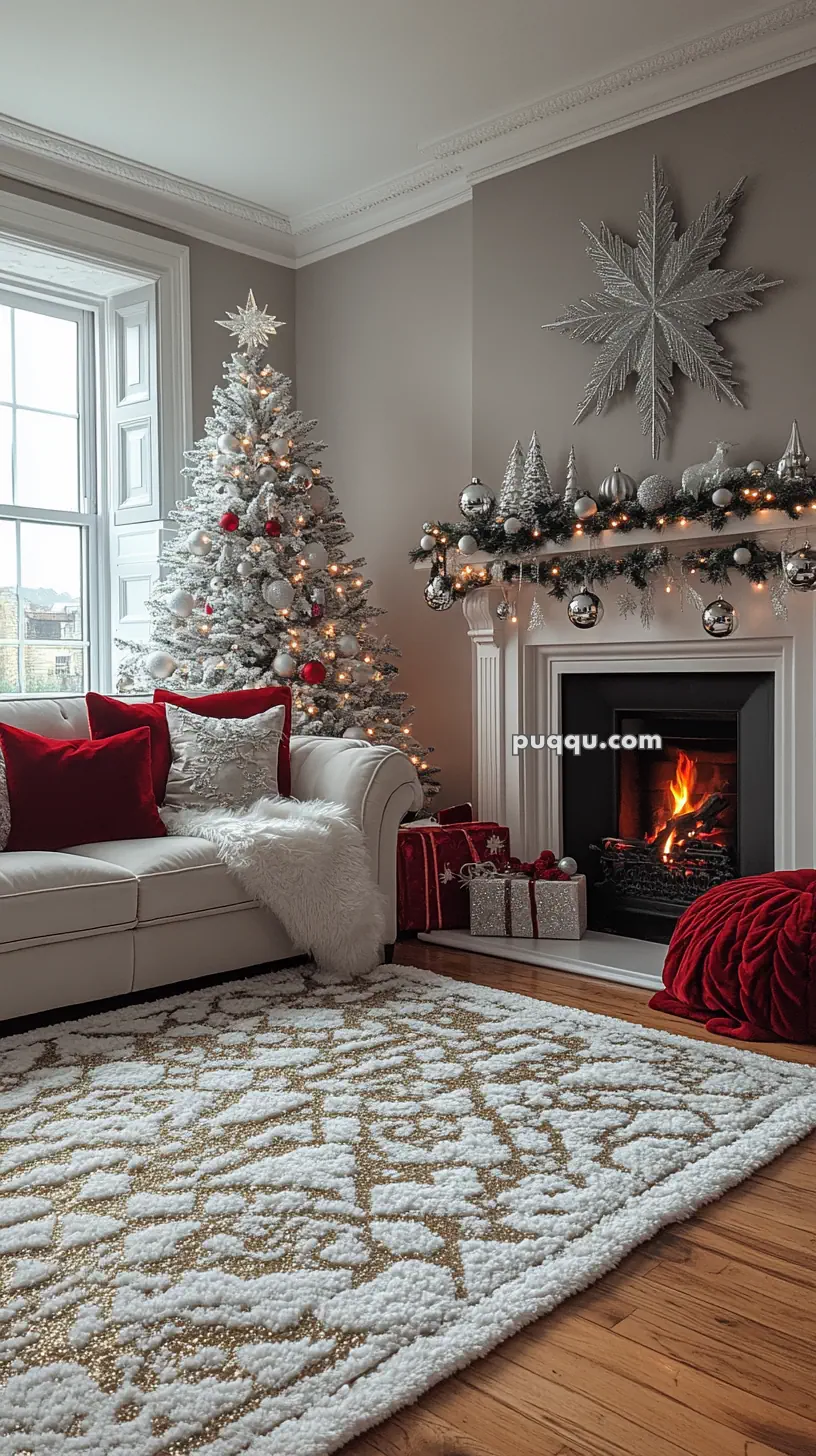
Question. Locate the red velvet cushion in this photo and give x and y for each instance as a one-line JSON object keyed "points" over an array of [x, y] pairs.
{"points": [[75, 791], [243, 703], [743, 959], [109, 717]]}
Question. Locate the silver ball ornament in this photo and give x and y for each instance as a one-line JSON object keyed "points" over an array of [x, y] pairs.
{"points": [[585, 610], [439, 593], [427, 542], [279, 448], [316, 556], [318, 498], [199, 543], [720, 618], [800, 569], [585, 507], [244, 569], [616, 488], [742, 556], [161, 665], [512, 526], [229, 444], [467, 545], [655, 492], [268, 475], [477, 501], [347, 645], [568, 865], [722, 496], [279, 593], [300, 475], [503, 611], [755, 468], [181, 602], [284, 665]]}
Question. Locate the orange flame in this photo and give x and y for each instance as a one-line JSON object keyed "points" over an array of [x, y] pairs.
{"points": [[681, 790]]}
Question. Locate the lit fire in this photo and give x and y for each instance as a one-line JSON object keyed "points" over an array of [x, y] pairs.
{"points": [[683, 799]]}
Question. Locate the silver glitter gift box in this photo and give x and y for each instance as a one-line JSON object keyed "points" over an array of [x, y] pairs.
{"points": [[532, 909]]}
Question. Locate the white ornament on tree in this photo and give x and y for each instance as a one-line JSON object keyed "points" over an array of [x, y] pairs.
{"points": [[199, 543], [467, 544], [427, 542], [316, 556], [279, 593], [318, 498], [284, 665], [512, 526], [279, 447], [181, 602], [160, 665], [346, 645], [229, 445]]}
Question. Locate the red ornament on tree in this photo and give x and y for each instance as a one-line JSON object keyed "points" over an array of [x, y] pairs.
{"points": [[317, 611], [313, 673], [208, 609], [272, 527], [229, 521]]}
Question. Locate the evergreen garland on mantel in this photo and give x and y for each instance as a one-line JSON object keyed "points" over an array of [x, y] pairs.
{"points": [[753, 495]]}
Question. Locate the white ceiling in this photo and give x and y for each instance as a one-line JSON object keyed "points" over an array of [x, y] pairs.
{"points": [[336, 118]]}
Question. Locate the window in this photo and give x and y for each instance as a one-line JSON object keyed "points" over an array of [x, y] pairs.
{"points": [[48, 498]]}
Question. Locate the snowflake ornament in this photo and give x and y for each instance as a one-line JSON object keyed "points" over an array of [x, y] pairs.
{"points": [[252, 326], [446, 876], [659, 299], [495, 844]]}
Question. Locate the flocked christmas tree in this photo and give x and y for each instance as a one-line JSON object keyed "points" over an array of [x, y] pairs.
{"points": [[536, 487], [256, 587], [510, 494]]}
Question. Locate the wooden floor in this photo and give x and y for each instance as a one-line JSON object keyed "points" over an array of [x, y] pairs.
{"points": [[703, 1341]]}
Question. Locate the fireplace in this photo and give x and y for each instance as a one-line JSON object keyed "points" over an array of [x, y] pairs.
{"points": [[653, 826]]}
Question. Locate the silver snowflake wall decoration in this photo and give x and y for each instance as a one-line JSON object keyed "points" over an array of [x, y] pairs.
{"points": [[659, 300]]}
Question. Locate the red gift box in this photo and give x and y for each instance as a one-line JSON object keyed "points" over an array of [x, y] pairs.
{"points": [[430, 895]]}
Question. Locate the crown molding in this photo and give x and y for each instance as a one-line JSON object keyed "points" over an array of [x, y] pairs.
{"points": [[779, 40]]}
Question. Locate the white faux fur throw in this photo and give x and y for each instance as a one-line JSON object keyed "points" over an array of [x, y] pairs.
{"points": [[306, 861]]}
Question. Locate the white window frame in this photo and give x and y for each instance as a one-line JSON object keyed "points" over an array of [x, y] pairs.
{"points": [[88, 516], [89, 250]]}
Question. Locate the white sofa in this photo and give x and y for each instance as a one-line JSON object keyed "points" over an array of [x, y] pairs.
{"points": [[100, 920]]}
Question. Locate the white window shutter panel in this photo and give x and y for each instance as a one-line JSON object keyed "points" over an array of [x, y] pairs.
{"points": [[134, 453]]}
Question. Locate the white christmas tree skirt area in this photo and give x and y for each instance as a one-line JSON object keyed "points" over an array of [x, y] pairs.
{"points": [[262, 1216]]}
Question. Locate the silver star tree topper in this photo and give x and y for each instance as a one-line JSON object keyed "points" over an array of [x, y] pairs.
{"points": [[252, 325], [659, 299]]}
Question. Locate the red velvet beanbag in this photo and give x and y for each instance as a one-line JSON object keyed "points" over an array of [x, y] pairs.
{"points": [[743, 959]]}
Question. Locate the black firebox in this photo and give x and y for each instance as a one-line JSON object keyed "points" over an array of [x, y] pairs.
{"points": [[652, 827]]}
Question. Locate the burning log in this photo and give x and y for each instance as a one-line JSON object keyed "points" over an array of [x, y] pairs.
{"points": [[694, 822]]}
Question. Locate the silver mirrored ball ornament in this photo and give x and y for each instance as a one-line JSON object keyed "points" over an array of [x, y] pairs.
{"points": [[800, 569], [585, 610], [477, 501], [439, 593], [720, 618]]}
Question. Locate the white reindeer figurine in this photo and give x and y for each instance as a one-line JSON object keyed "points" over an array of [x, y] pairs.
{"points": [[706, 475]]}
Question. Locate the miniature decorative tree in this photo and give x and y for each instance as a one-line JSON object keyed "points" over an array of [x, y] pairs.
{"points": [[256, 586]]}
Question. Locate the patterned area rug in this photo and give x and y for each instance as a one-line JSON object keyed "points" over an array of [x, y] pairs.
{"points": [[260, 1217]]}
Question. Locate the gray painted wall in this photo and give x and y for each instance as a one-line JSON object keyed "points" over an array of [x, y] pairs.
{"points": [[390, 340], [219, 279], [384, 362]]}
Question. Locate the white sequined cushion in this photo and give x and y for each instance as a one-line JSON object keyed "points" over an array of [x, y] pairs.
{"points": [[5, 810], [224, 763]]}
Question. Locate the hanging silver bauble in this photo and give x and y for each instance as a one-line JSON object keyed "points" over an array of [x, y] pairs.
{"points": [[722, 496], [268, 475], [361, 673], [279, 593], [585, 610], [300, 475], [617, 488], [467, 544], [512, 526], [284, 665], [585, 507], [655, 492], [720, 618], [244, 569], [742, 556], [355, 731], [794, 462], [181, 602], [161, 665], [199, 543], [503, 610], [755, 468], [279, 447], [477, 501], [346, 645], [427, 542], [800, 569], [439, 592], [316, 556], [229, 445], [318, 498], [568, 865]]}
